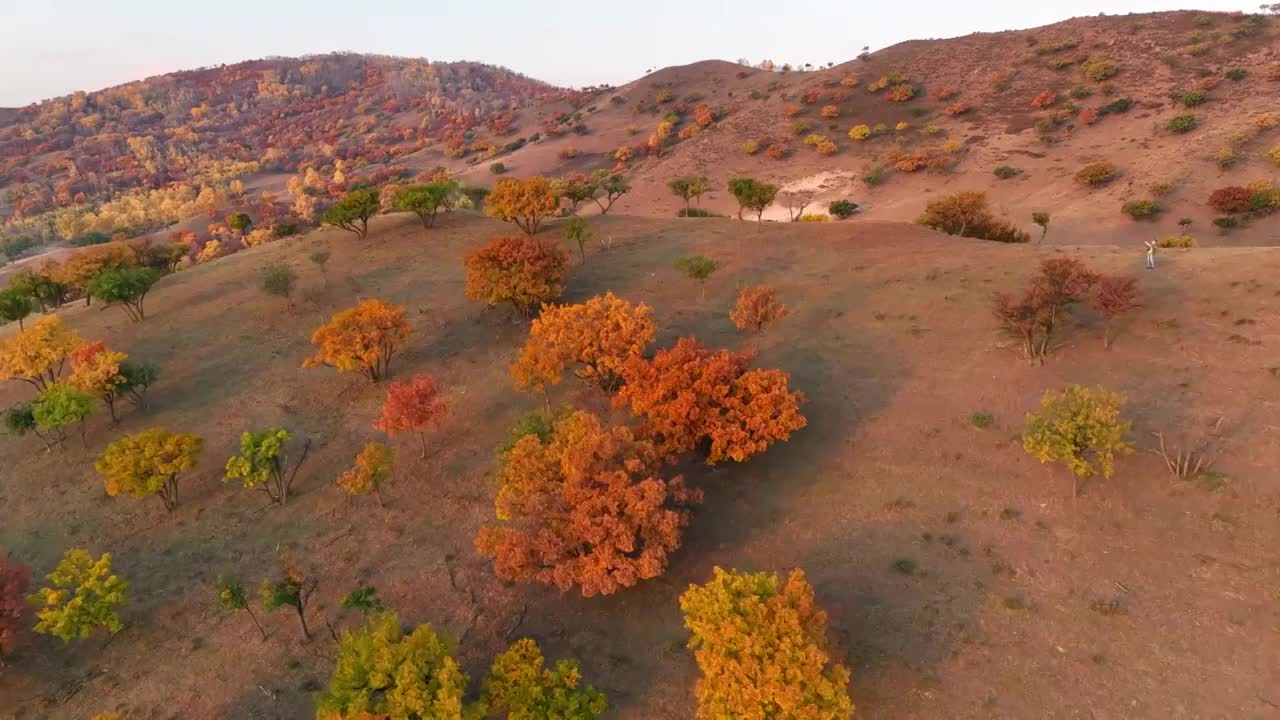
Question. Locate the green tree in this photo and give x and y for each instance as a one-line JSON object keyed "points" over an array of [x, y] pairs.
{"points": [[576, 230], [20, 420], [15, 305], [365, 599], [127, 286], [60, 405], [292, 589], [278, 279], [262, 462], [83, 596], [682, 187], [753, 195], [426, 200], [239, 222], [231, 595], [137, 378], [353, 211], [1080, 428], [699, 268], [613, 185]]}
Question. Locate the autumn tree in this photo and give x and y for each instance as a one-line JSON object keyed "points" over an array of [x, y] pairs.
{"points": [[521, 687], [353, 211], [689, 395], [516, 269], [576, 230], [586, 508], [612, 185], [292, 589], [699, 268], [148, 463], [600, 336], [757, 308], [232, 596], [60, 405], [412, 406], [1033, 316], [363, 338], [525, 203], [372, 468], [1114, 296], [753, 195], [426, 200], [14, 579], [966, 214], [761, 645], [95, 369], [263, 463], [127, 287], [15, 306], [1080, 428], [82, 596], [38, 354]]}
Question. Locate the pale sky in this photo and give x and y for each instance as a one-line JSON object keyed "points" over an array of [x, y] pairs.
{"points": [[52, 47]]}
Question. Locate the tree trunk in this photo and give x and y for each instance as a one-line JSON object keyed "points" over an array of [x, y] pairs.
{"points": [[255, 621], [423, 437], [302, 618]]}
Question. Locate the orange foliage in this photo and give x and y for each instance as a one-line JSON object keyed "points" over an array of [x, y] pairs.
{"points": [[689, 394], [830, 111], [412, 406], [587, 509], [518, 270], [1044, 100], [362, 338], [602, 334], [702, 115], [791, 111], [372, 468], [523, 202], [757, 308]]}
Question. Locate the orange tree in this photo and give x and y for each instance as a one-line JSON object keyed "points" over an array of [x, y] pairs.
{"points": [[95, 369], [600, 334], [526, 203], [518, 270], [81, 267], [762, 647], [689, 395], [757, 308], [372, 468], [38, 354], [362, 338], [148, 463], [585, 508], [412, 406]]}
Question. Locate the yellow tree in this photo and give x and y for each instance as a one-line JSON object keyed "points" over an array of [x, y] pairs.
{"points": [[83, 596], [601, 334], [148, 463], [526, 203], [362, 339], [38, 354], [762, 647], [372, 468]]}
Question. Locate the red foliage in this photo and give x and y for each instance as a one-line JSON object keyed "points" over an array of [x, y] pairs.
{"points": [[1088, 116], [1115, 296], [14, 578], [1230, 199], [412, 406], [1044, 100]]}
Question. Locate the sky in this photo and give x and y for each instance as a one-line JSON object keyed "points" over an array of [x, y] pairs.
{"points": [[52, 47]]}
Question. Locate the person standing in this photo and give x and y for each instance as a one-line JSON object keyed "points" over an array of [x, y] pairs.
{"points": [[1151, 255]]}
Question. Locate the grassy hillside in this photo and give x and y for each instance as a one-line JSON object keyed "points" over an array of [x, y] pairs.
{"points": [[1144, 597]]}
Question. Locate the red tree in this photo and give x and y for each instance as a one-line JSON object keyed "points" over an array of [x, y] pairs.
{"points": [[412, 406], [1115, 296]]}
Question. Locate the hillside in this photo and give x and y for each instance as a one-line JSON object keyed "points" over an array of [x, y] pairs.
{"points": [[962, 579]]}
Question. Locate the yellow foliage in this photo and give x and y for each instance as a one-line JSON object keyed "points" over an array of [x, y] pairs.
{"points": [[37, 354], [148, 463], [211, 250], [372, 468], [859, 132]]}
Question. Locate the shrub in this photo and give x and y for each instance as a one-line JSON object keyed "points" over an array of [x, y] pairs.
{"points": [[82, 596], [353, 211], [814, 217], [1096, 174], [1226, 223], [958, 109], [1080, 92], [829, 111], [902, 92], [1142, 209], [761, 645], [1274, 154], [1041, 219], [1194, 98], [1004, 172], [597, 337], [1032, 317], [412, 406], [874, 174], [757, 308], [127, 287], [842, 208], [1122, 105], [148, 463], [1236, 74], [60, 405], [698, 213], [982, 419], [1080, 428], [278, 279], [1182, 124], [966, 214], [372, 468], [1178, 241], [799, 127], [363, 339], [518, 270], [1044, 100], [593, 511], [1098, 68], [859, 132], [751, 147], [1230, 199]]}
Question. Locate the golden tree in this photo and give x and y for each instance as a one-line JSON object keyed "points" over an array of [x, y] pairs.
{"points": [[601, 335], [148, 463], [372, 468], [38, 354], [526, 203], [757, 308], [518, 270], [585, 508], [83, 596], [762, 647], [363, 338], [689, 394], [95, 369], [1080, 428]]}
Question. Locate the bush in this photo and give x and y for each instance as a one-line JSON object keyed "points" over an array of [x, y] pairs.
{"points": [[1081, 428], [1226, 223], [874, 174], [497, 168], [1123, 105], [1098, 68], [751, 147], [698, 213], [902, 92], [1080, 92], [1274, 154], [1004, 172], [1096, 174], [815, 217], [93, 238], [1230, 199], [966, 214], [1236, 74], [859, 132], [1182, 124], [278, 279], [1142, 209], [829, 111], [1044, 100], [842, 208], [1178, 241]]}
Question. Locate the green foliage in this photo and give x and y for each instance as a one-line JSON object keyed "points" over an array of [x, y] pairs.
{"points": [[1194, 98], [60, 405], [576, 230], [20, 419], [239, 222], [15, 305], [874, 174], [425, 201], [842, 208], [138, 377], [231, 594], [695, 212], [278, 279], [1080, 92], [537, 423], [1098, 173], [284, 229], [1226, 223], [14, 248], [126, 286], [353, 211], [1236, 74], [697, 267], [1142, 209], [497, 168], [521, 688], [752, 194], [1098, 68], [1080, 428], [1120, 105], [1004, 172], [1182, 124], [262, 463], [83, 596], [982, 419], [1178, 241], [365, 599]]}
